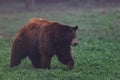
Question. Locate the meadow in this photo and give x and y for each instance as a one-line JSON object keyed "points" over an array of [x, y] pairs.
{"points": [[97, 56]]}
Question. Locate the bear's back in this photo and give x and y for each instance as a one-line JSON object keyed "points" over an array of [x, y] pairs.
{"points": [[40, 22]]}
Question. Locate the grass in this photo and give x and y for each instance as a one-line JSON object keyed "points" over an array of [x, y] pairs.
{"points": [[97, 57]]}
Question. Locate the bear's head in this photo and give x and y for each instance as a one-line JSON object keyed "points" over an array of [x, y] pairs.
{"points": [[68, 35], [62, 35]]}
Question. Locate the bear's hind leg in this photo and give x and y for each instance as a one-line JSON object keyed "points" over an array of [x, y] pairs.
{"points": [[14, 63], [16, 59]]}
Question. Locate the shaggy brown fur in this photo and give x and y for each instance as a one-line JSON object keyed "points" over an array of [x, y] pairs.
{"points": [[40, 39]]}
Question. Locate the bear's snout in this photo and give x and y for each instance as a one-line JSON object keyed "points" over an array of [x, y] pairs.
{"points": [[74, 42]]}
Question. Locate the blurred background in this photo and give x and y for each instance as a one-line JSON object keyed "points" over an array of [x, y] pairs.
{"points": [[30, 4], [14, 13]]}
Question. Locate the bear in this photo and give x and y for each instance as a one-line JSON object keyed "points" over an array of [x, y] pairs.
{"points": [[41, 39]]}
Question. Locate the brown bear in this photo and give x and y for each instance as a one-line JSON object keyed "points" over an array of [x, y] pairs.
{"points": [[40, 39]]}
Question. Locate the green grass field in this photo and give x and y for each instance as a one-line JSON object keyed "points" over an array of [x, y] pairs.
{"points": [[97, 56]]}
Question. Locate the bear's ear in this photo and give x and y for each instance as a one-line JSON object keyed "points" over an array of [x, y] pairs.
{"points": [[75, 28]]}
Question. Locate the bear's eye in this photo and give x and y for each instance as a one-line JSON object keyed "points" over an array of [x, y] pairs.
{"points": [[71, 33]]}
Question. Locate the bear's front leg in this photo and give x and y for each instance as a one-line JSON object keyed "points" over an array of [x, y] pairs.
{"points": [[70, 64], [45, 62], [36, 60]]}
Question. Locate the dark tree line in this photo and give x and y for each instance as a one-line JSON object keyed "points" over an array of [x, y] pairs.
{"points": [[29, 3], [40, 1]]}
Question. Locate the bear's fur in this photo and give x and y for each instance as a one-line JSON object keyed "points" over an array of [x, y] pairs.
{"points": [[40, 39]]}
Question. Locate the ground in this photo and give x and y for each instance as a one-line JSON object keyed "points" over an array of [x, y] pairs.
{"points": [[97, 57]]}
